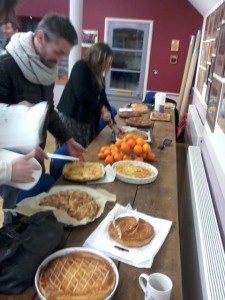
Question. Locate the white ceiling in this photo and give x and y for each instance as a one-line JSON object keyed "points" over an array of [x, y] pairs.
{"points": [[205, 6]]}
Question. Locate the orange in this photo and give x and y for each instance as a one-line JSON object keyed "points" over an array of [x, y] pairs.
{"points": [[117, 156], [103, 148], [131, 142], [125, 147], [109, 159], [137, 149], [118, 143], [138, 158], [127, 157], [146, 147], [101, 155], [140, 141], [107, 152], [150, 156]]}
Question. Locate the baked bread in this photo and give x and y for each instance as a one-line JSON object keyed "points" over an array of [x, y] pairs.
{"points": [[133, 171], [138, 122], [83, 171], [139, 107], [131, 232], [77, 204], [136, 133], [128, 114], [77, 276]]}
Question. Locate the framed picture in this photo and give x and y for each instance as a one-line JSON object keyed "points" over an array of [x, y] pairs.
{"points": [[89, 37], [221, 113], [219, 68], [213, 101]]}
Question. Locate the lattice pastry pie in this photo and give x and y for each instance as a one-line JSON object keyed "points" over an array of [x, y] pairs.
{"points": [[77, 276], [133, 171], [135, 133], [131, 232], [138, 122], [83, 171], [139, 107], [78, 204]]}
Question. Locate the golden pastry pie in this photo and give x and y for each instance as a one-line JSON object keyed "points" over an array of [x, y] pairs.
{"points": [[77, 204], [83, 171], [77, 276], [128, 114], [135, 133], [138, 122], [133, 171], [169, 105], [139, 107], [130, 231]]}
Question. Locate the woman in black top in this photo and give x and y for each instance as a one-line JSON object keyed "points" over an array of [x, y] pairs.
{"points": [[84, 101]]}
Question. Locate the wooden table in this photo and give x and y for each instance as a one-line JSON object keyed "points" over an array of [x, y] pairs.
{"points": [[158, 199]]}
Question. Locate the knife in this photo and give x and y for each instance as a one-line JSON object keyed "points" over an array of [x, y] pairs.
{"points": [[60, 156]]}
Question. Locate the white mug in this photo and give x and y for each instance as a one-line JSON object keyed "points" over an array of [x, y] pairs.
{"points": [[156, 286]]}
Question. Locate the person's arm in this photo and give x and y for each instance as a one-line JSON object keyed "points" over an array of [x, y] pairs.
{"points": [[5, 171]]}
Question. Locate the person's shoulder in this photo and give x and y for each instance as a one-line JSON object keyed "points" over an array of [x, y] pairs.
{"points": [[80, 64], [5, 58]]}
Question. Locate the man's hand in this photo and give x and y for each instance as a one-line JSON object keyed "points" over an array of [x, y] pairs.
{"points": [[23, 168], [106, 114], [75, 149]]}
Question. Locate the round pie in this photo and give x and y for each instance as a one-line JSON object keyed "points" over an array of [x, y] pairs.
{"points": [[77, 276], [83, 171], [138, 122], [128, 114], [77, 204], [130, 231], [139, 107]]}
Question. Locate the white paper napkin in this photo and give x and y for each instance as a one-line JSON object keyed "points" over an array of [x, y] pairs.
{"points": [[139, 257]]}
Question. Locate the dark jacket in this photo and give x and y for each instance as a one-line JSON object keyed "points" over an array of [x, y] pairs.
{"points": [[82, 99], [14, 88]]}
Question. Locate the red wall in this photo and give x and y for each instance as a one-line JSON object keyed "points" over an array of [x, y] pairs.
{"points": [[173, 19]]}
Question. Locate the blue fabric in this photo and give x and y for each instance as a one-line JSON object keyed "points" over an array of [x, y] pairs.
{"points": [[45, 182], [102, 123], [57, 165]]}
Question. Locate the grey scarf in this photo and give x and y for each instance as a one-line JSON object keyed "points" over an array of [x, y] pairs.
{"points": [[22, 50]]}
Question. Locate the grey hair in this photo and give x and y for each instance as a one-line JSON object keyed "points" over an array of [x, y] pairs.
{"points": [[56, 26]]}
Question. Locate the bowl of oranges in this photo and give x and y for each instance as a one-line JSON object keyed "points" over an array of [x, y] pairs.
{"points": [[130, 147]]}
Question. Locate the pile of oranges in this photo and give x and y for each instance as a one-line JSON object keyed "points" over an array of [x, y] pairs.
{"points": [[128, 148]]}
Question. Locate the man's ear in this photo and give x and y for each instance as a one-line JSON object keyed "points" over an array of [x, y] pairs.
{"points": [[40, 36]]}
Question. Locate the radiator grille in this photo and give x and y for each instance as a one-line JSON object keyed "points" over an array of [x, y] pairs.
{"points": [[211, 255], [194, 128]]}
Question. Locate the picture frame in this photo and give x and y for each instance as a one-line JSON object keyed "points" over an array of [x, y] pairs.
{"points": [[219, 68], [221, 112], [213, 102], [89, 37]]}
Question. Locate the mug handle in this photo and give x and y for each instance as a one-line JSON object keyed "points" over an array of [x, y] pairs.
{"points": [[143, 277]]}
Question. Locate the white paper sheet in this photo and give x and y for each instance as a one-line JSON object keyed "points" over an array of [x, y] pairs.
{"points": [[139, 257], [21, 126]]}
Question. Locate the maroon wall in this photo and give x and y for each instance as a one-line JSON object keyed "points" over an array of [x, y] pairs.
{"points": [[173, 19]]}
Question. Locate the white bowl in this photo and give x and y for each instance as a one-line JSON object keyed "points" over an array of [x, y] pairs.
{"points": [[132, 180], [72, 250]]}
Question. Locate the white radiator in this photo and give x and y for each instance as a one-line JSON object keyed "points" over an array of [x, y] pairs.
{"points": [[194, 127], [210, 251]]}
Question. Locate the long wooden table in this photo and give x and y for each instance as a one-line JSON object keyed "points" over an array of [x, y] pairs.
{"points": [[158, 199]]}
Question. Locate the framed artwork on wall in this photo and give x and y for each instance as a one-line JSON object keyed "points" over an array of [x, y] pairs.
{"points": [[89, 37], [213, 101], [219, 68], [221, 112]]}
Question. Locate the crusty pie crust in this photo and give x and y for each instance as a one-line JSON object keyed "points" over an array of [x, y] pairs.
{"points": [[133, 171], [77, 204], [83, 171], [77, 276]]}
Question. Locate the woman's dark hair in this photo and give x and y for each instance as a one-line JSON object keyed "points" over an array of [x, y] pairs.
{"points": [[7, 8]]}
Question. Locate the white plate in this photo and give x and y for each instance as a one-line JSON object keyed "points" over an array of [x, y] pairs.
{"points": [[130, 129], [72, 250], [132, 180], [9, 156]]}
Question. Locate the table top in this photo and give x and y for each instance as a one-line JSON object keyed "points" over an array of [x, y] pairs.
{"points": [[158, 199]]}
